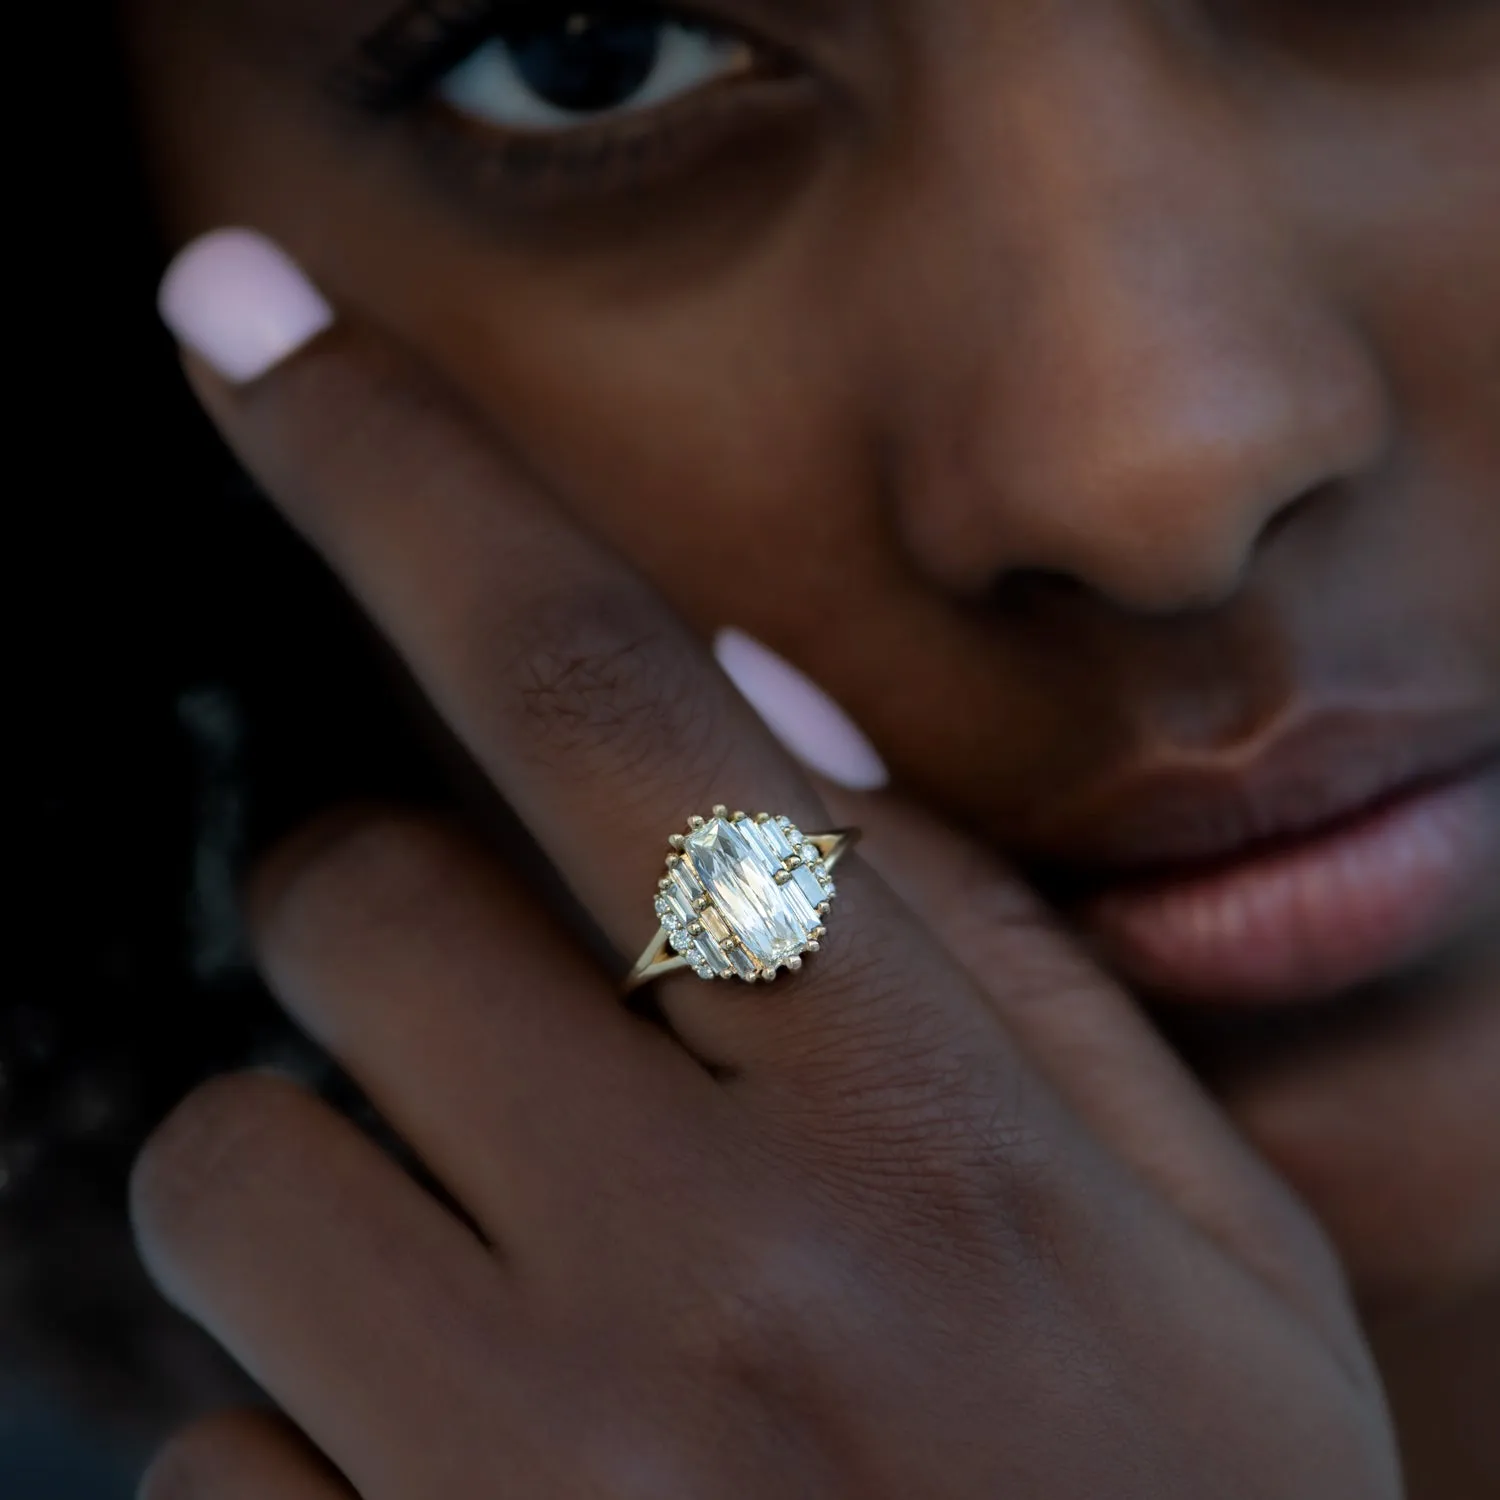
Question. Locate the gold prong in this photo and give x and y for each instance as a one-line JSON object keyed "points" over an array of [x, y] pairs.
{"points": [[678, 841], [703, 903], [664, 885], [824, 907], [820, 933], [738, 817], [695, 929], [769, 976], [815, 947], [674, 861], [762, 817], [793, 863], [720, 811], [783, 877], [794, 964], [695, 822]]}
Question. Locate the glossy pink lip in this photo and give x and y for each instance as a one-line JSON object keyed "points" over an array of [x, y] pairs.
{"points": [[1314, 914]]}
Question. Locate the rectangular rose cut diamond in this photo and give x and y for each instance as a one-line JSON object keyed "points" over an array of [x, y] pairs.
{"points": [[738, 871]]}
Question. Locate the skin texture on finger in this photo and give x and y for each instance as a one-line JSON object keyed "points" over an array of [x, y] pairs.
{"points": [[655, 1374], [241, 1456], [492, 1045], [379, 1323], [1102, 1055], [746, 1286], [328, 1275]]}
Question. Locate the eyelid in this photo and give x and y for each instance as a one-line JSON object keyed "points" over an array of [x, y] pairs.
{"points": [[409, 55], [601, 202], [552, 177], [618, 159]]}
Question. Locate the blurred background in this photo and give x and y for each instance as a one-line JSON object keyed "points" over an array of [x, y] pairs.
{"points": [[161, 724], [45, 1457]]}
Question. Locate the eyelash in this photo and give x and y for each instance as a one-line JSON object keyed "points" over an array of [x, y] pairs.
{"points": [[399, 69], [409, 55]]}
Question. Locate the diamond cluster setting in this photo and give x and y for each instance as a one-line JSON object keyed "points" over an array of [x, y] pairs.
{"points": [[744, 897]]}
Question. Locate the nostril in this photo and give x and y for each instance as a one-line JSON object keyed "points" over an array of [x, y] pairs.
{"points": [[1025, 592], [1031, 595], [1190, 564], [1293, 510]]}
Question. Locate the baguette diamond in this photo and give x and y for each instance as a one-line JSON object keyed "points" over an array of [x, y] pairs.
{"points": [[742, 896]]}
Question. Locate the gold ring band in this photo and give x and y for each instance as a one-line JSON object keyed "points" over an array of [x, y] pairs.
{"points": [[743, 898]]}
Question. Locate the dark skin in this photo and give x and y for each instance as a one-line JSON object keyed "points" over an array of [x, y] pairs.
{"points": [[1132, 373]]}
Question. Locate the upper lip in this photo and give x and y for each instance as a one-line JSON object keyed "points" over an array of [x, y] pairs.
{"points": [[1174, 812]]}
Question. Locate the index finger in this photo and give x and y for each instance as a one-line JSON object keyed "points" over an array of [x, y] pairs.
{"points": [[597, 714]]}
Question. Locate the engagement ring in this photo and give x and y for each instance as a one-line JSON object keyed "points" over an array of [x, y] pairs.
{"points": [[743, 897]]}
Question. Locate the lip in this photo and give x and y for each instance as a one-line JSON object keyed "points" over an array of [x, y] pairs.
{"points": [[1289, 873]]}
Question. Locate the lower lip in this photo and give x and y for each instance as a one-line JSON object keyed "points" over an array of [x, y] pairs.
{"points": [[1317, 919]]}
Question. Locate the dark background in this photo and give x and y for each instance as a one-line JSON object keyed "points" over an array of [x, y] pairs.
{"points": [[43, 1457], [184, 683]]}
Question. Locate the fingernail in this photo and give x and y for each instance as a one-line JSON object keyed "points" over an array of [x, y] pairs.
{"points": [[801, 715], [240, 303]]}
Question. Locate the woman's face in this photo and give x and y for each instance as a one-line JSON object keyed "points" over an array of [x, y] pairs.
{"points": [[1100, 398]]}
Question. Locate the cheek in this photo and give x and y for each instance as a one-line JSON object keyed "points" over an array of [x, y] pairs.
{"points": [[697, 439], [1398, 200]]}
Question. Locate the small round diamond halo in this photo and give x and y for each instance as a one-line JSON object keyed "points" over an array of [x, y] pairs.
{"points": [[744, 897]]}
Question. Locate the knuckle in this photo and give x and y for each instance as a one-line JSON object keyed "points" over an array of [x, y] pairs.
{"points": [[202, 1460], [208, 1155], [983, 1177], [944, 1149], [869, 1039], [605, 676]]}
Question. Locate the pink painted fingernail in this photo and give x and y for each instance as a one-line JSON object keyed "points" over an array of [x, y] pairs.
{"points": [[241, 303], [801, 715]]}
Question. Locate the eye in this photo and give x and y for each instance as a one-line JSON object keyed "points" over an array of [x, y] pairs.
{"points": [[551, 73]]}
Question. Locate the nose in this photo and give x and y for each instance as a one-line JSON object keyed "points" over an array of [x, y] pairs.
{"points": [[1132, 366]]}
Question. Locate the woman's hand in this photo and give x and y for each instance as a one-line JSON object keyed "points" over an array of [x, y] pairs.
{"points": [[938, 1218]]}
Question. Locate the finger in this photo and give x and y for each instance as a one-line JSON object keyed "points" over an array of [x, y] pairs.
{"points": [[360, 1306], [1096, 1046], [493, 1046], [241, 1456], [596, 713]]}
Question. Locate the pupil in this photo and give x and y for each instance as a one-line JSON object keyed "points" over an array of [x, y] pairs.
{"points": [[587, 61]]}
